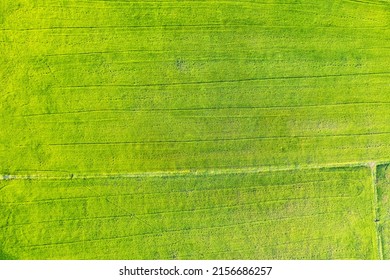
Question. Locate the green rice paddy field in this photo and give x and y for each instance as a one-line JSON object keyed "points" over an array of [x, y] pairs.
{"points": [[194, 129]]}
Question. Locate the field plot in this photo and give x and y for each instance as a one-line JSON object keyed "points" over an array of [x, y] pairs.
{"points": [[127, 86], [320, 214], [194, 129]]}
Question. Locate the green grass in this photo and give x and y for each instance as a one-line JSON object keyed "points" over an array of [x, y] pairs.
{"points": [[383, 216], [100, 89], [146, 87], [311, 214]]}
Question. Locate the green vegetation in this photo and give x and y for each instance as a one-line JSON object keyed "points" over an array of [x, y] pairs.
{"points": [[194, 129], [311, 214], [383, 219]]}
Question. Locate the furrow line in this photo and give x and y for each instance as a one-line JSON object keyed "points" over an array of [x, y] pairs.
{"points": [[207, 108], [216, 140], [229, 81]]}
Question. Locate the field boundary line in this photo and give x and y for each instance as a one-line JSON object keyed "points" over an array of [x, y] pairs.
{"points": [[186, 172], [375, 206]]}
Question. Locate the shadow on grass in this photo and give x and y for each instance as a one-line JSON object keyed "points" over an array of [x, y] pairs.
{"points": [[4, 256], [381, 171]]}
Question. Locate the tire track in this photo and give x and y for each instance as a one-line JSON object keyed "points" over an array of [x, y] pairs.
{"points": [[157, 142], [228, 81], [182, 230], [207, 108], [246, 188]]}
